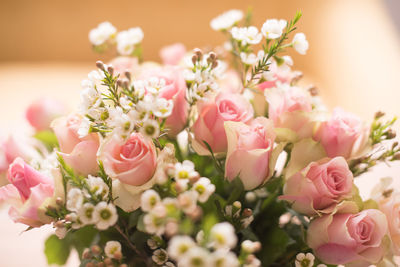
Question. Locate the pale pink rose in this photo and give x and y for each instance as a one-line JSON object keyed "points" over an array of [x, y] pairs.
{"points": [[209, 126], [43, 111], [131, 161], [172, 54], [349, 238], [122, 64], [27, 191], [391, 207], [175, 90], [249, 151], [78, 152], [230, 82], [319, 187], [343, 135]]}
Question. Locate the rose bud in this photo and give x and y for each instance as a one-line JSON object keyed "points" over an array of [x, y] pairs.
{"points": [[172, 54], [319, 186], [209, 126], [78, 152], [43, 111], [343, 135], [249, 151], [349, 238], [26, 193]]}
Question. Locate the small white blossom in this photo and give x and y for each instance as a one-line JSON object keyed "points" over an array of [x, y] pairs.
{"points": [[126, 40], [246, 35], [149, 199], [152, 243], [87, 214], [106, 214], [204, 188], [250, 247], [154, 224], [251, 58], [150, 129], [184, 170], [224, 258], [163, 107], [155, 84], [97, 186], [180, 245], [188, 201], [111, 248], [222, 235], [300, 43], [74, 199], [273, 28], [102, 33], [76, 223], [253, 263], [304, 260], [195, 257], [160, 256], [60, 232], [226, 20]]}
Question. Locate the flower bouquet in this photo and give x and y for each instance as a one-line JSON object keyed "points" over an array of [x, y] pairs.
{"points": [[212, 158]]}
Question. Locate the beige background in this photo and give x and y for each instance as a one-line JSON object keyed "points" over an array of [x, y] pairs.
{"points": [[354, 59]]}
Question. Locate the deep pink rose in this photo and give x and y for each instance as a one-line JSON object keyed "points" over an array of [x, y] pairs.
{"points": [[122, 64], [249, 151], [319, 186], [27, 191], [78, 152], [173, 54], [391, 207], [43, 111], [343, 135], [131, 161], [349, 238], [175, 90], [209, 126]]}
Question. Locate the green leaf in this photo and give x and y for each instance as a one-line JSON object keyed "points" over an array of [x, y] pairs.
{"points": [[82, 238], [57, 250], [274, 245], [48, 138], [134, 218]]}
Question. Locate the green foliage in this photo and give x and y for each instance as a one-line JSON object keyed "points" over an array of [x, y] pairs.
{"points": [[48, 138], [56, 250]]}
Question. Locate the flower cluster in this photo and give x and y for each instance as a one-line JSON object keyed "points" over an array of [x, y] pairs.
{"points": [[206, 159]]}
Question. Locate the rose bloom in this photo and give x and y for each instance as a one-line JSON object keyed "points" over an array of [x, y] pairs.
{"points": [[391, 207], [209, 126], [319, 186], [343, 135], [43, 111], [131, 161], [27, 191], [349, 238], [122, 64], [172, 54], [174, 89], [249, 151], [78, 152]]}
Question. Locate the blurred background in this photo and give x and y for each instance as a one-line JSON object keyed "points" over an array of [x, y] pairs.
{"points": [[354, 61]]}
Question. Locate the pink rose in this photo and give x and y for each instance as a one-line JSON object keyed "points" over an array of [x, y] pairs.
{"points": [[132, 162], [230, 82], [122, 64], [173, 54], [43, 111], [391, 207], [26, 193], [343, 135], [349, 238], [319, 186], [209, 126], [249, 151], [175, 90], [78, 152]]}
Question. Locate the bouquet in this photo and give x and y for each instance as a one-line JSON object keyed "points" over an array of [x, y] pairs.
{"points": [[211, 158]]}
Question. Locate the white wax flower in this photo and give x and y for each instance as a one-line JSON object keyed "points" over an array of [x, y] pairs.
{"points": [[87, 214], [74, 199], [160, 256], [126, 40], [184, 170], [155, 84], [150, 129], [303, 259], [154, 224], [163, 107], [111, 248], [180, 245], [149, 199], [273, 28], [224, 258], [222, 235], [103, 32], [250, 246], [204, 188], [246, 35], [188, 201], [300, 43], [106, 214], [226, 20], [195, 257], [97, 186]]}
